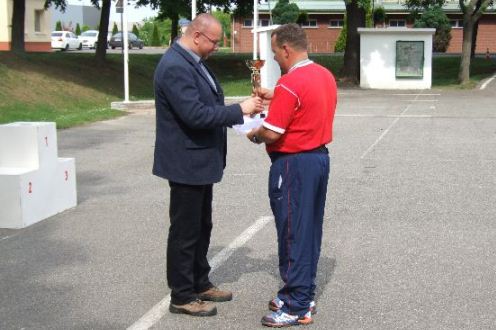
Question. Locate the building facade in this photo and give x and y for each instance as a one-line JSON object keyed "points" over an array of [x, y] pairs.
{"points": [[326, 20], [36, 26]]}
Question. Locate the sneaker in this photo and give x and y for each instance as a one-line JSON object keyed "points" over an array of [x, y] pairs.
{"points": [[276, 304], [280, 319], [194, 308], [215, 294]]}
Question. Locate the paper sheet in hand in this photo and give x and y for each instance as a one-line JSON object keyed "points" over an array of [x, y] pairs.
{"points": [[249, 124]]}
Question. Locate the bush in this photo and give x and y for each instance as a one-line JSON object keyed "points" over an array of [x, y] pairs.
{"points": [[341, 42], [78, 30], [435, 17], [115, 29], [379, 16], [146, 30], [85, 28], [135, 30], [155, 36], [58, 26], [285, 12]]}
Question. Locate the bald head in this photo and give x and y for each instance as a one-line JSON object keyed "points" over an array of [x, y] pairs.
{"points": [[202, 23], [202, 35]]}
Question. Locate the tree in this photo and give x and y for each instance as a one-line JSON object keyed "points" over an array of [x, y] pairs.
{"points": [[58, 26], [379, 16], [341, 42], [472, 12], [115, 29], [78, 29], [434, 17], [170, 9], [17, 33], [135, 30], [285, 12], [356, 16], [155, 36]]}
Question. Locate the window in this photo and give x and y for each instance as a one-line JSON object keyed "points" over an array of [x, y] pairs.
{"points": [[309, 23], [247, 23], [456, 23], [38, 20], [336, 23], [397, 23], [263, 22]]}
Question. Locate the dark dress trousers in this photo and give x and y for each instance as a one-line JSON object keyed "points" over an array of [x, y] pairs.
{"points": [[190, 152]]}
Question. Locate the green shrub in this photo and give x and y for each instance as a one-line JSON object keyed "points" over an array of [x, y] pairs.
{"points": [[155, 36], [78, 29], [434, 17], [135, 30], [58, 26], [115, 29], [379, 15], [285, 12], [341, 42]]}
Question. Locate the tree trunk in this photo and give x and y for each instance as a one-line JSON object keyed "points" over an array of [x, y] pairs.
{"points": [[18, 14], [174, 27], [355, 18], [101, 48], [474, 39], [464, 71]]}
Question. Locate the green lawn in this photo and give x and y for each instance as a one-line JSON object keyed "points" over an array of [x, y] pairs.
{"points": [[69, 89]]}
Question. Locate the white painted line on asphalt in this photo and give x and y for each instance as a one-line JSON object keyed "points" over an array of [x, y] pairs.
{"points": [[160, 309], [417, 94], [484, 85], [386, 131], [422, 100], [384, 116]]}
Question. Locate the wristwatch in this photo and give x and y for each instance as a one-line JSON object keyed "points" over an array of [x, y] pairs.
{"points": [[255, 140]]}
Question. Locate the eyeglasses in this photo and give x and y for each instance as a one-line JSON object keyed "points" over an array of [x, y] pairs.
{"points": [[214, 43]]}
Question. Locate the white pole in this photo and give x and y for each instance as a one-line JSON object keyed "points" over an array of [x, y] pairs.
{"points": [[193, 9], [255, 27], [125, 43]]}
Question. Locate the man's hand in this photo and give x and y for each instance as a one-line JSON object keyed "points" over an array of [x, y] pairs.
{"points": [[265, 94], [253, 137], [252, 106]]}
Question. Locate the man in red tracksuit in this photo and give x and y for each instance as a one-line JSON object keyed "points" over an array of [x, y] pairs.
{"points": [[296, 130]]}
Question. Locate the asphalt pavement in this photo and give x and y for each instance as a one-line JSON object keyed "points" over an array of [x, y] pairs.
{"points": [[409, 236]]}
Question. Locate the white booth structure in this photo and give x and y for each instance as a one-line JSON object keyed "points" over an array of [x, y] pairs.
{"points": [[34, 183], [396, 58], [270, 72]]}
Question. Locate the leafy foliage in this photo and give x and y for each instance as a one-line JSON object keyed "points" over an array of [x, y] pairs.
{"points": [[155, 36], [379, 15], [285, 12], [434, 17], [58, 26], [135, 30], [341, 42], [115, 29], [78, 29], [146, 31]]}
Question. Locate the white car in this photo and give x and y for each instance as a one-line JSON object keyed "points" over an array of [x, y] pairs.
{"points": [[89, 38], [65, 40]]}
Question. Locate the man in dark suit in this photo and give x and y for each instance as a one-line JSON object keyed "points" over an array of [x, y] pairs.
{"points": [[190, 152]]}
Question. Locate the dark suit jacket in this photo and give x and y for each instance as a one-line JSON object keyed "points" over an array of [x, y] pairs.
{"points": [[191, 119]]}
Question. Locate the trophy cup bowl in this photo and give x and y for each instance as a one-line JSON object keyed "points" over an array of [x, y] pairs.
{"points": [[255, 66]]}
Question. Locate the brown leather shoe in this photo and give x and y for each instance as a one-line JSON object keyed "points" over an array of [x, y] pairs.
{"points": [[215, 294], [194, 308]]}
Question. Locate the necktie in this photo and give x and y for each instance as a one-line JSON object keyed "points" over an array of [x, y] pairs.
{"points": [[207, 74]]}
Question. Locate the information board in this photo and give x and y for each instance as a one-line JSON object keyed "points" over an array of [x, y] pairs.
{"points": [[409, 59]]}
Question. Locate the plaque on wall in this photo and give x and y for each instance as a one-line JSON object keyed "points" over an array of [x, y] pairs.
{"points": [[409, 59]]}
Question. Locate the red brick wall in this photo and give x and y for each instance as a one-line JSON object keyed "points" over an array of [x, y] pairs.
{"points": [[323, 38]]}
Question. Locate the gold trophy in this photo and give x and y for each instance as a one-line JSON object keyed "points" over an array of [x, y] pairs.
{"points": [[255, 66]]}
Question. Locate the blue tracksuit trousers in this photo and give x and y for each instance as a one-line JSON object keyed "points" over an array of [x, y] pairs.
{"points": [[297, 192]]}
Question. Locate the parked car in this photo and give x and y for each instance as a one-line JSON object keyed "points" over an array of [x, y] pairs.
{"points": [[65, 40], [133, 40], [89, 38]]}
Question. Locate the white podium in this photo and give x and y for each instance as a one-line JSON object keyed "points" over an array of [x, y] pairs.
{"points": [[34, 183]]}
